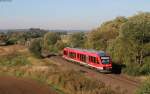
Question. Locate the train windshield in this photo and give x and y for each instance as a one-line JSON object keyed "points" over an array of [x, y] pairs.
{"points": [[105, 60]]}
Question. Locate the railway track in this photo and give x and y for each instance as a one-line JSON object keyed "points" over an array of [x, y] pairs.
{"points": [[114, 80]]}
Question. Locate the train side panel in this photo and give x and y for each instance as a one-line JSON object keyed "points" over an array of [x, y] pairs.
{"points": [[86, 58]]}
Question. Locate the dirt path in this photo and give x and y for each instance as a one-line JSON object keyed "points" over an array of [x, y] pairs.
{"points": [[116, 81], [13, 85]]}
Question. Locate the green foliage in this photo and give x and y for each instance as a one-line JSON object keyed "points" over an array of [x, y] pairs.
{"points": [[20, 37], [132, 46], [51, 38], [11, 41], [94, 40], [60, 46], [137, 70], [145, 69], [99, 39], [132, 69], [113, 25], [136, 29], [77, 40], [36, 47], [122, 50]]}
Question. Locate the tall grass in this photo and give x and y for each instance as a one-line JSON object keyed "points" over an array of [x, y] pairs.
{"points": [[13, 59]]}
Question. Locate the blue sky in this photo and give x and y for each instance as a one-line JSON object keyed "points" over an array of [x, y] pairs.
{"points": [[66, 14]]}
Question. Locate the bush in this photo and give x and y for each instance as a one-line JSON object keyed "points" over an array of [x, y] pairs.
{"points": [[36, 48], [11, 41], [145, 69], [59, 46], [137, 70], [132, 69]]}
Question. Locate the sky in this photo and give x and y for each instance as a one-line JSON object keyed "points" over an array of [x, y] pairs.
{"points": [[65, 14]]}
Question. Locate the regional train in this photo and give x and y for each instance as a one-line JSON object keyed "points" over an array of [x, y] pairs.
{"points": [[91, 58]]}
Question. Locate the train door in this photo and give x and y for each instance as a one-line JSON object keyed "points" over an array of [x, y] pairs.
{"points": [[65, 53]]}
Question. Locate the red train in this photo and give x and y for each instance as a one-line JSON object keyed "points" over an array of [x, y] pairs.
{"points": [[96, 59]]}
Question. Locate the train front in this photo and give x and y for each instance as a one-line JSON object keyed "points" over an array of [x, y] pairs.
{"points": [[106, 62]]}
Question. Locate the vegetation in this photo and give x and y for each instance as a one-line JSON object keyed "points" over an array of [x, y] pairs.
{"points": [[127, 40], [130, 47], [14, 59], [21, 36], [52, 43], [145, 88], [36, 47], [77, 40], [99, 38], [49, 41]]}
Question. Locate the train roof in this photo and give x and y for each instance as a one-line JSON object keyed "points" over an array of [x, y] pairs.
{"points": [[100, 53]]}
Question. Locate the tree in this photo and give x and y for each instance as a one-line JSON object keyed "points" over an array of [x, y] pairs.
{"points": [[60, 46], [113, 25], [100, 37], [137, 30], [132, 44], [50, 39], [77, 40]]}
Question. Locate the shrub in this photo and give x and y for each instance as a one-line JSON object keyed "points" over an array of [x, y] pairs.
{"points": [[36, 48], [137, 70], [11, 41], [132, 69], [145, 69]]}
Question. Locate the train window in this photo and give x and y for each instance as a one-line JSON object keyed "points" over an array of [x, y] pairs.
{"points": [[93, 59], [83, 57], [72, 55]]}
